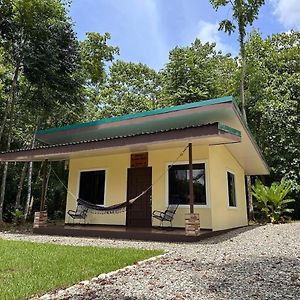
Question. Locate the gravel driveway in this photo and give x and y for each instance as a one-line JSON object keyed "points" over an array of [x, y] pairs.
{"points": [[260, 262]]}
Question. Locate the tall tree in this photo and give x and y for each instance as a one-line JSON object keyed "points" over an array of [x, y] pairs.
{"points": [[96, 54], [197, 72], [41, 47], [130, 88], [244, 12], [273, 101]]}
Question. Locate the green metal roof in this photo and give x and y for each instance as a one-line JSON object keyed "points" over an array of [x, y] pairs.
{"points": [[139, 115]]}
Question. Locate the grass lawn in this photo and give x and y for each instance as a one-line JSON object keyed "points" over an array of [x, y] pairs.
{"points": [[30, 268]]}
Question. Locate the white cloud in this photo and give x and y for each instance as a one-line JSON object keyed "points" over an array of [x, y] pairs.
{"points": [[208, 32], [141, 20], [287, 12]]}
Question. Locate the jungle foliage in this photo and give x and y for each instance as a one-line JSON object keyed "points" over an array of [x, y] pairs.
{"points": [[49, 78], [272, 201]]}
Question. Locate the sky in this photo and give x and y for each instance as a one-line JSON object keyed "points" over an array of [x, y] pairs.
{"points": [[146, 30]]}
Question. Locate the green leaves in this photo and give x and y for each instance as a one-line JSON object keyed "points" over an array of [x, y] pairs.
{"points": [[130, 88], [227, 26], [271, 200], [95, 52], [272, 97], [197, 72]]}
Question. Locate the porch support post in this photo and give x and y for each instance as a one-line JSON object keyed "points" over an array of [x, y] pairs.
{"points": [[44, 183], [192, 222], [191, 184], [41, 217]]}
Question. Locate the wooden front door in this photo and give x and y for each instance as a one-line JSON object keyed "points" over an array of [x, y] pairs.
{"points": [[139, 213]]}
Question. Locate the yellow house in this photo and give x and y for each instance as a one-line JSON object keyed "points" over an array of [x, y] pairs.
{"points": [[113, 160]]}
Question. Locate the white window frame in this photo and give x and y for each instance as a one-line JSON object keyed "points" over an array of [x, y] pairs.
{"points": [[205, 162], [105, 181], [227, 189]]}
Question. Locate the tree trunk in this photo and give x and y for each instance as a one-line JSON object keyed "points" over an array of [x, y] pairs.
{"points": [[11, 101], [7, 108], [14, 91], [29, 189], [20, 186], [243, 103], [30, 169]]}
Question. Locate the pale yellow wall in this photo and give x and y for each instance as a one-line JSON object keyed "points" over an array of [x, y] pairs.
{"points": [[116, 183], [223, 216], [216, 215], [115, 188], [159, 160]]}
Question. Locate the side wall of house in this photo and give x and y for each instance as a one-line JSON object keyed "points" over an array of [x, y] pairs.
{"points": [[223, 216]]}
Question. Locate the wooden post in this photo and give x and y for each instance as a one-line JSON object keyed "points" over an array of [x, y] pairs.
{"points": [[192, 221], [191, 183], [43, 196], [41, 217]]}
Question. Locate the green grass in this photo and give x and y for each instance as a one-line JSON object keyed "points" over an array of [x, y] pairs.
{"points": [[30, 268]]}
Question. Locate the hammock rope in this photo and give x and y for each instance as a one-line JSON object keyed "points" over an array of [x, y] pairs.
{"points": [[120, 207]]}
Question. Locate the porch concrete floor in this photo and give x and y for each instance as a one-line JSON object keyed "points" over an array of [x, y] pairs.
{"points": [[122, 232]]}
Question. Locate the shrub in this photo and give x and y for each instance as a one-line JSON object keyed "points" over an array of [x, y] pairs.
{"points": [[271, 200], [18, 217]]}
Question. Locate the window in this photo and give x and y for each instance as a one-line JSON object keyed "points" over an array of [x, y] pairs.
{"points": [[231, 189], [179, 184], [91, 188]]}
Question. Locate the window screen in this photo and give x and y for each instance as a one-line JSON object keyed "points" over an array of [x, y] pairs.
{"points": [[92, 185], [179, 184]]}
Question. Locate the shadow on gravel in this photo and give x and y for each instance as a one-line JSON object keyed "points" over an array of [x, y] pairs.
{"points": [[223, 236], [256, 278]]}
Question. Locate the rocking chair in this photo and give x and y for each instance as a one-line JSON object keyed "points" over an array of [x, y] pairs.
{"points": [[165, 216], [80, 213]]}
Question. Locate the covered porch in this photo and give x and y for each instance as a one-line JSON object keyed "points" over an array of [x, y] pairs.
{"points": [[129, 155]]}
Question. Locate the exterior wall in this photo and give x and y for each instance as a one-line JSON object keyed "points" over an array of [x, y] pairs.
{"points": [[159, 160], [223, 216], [216, 215], [116, 183]]}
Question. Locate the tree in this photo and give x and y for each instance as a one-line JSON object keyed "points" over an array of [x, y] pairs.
{"points": [[130, 88], [273, 105], [40, 47], [197, 72], [95, 54], [244, 12]]}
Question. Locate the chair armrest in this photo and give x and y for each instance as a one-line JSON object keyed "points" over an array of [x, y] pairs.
{"points": [[157, 213]]}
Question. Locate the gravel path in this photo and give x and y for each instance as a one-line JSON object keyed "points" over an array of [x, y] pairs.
{"points": [[255, 262]]}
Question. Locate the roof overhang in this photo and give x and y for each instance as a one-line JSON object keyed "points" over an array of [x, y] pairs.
{"points": [[211, 134], [168, 126]]}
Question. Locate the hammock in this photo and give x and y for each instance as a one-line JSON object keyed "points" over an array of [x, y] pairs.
{"points": [[113, 209], [116, 208]]}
